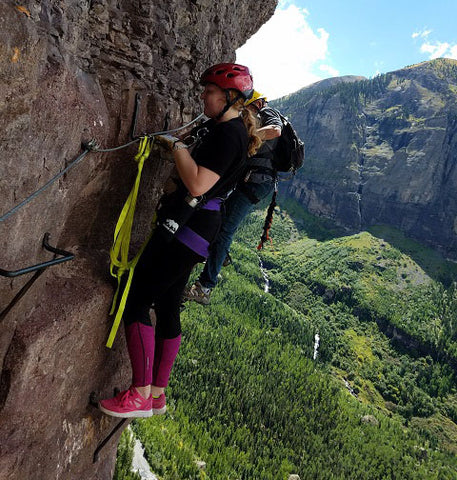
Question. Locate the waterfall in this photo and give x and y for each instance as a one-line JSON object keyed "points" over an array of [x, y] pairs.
{"points": [[266, 287], [348, 386], [139, 463], [316, 345]]}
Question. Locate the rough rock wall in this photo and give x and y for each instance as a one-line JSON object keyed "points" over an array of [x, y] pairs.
{"points": [[70, 71], [383, 152]]}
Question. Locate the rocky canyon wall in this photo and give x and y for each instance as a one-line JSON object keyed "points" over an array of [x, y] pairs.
{"points": [[70, 72], [382, 151]]}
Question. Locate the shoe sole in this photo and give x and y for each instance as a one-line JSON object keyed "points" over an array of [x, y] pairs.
{"points": [[135, 414], [197, 300], [159, 411]]}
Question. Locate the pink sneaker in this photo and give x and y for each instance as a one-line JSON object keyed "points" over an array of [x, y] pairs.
{"points": [[127, 404], [159, 405]]}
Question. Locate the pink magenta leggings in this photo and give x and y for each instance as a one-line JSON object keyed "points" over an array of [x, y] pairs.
{"points": [[158, 282]]}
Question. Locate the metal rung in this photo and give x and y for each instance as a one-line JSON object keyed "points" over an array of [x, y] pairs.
{"points": [[65, 257], [107, 439], [93, 401]]}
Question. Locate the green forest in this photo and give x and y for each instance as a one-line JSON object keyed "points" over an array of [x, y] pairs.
{"points": [[253, 396]]}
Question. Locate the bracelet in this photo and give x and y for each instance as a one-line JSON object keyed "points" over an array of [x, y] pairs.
{"points": [[179, 145]]}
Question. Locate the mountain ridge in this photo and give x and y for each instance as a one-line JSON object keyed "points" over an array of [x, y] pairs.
{"points": [[382, 151]]}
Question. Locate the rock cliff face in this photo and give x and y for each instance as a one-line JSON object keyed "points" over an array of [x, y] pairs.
{"points": [[70, 71], [382, 151]]}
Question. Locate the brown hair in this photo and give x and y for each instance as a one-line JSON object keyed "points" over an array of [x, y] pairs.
{"points": [[252, 124]]}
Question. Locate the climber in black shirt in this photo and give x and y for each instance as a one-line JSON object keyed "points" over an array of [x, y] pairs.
{"points": [[182, 240], [257, 183]]}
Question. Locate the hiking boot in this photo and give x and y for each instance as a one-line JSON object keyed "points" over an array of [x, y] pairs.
{"points": [[159, 405], [198, 293], [127, 404], [227, 260]]}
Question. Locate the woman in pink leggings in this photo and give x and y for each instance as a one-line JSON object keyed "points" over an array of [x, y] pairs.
{"points": [[188, 221]]}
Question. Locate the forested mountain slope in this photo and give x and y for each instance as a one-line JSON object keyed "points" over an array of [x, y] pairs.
{"points": [[378, 401], [382, 151]]}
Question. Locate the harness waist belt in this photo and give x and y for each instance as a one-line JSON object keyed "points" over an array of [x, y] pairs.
{"points": [[213, 204], [193, 240]]}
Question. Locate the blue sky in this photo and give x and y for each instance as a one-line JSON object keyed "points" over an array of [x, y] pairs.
{"points": [[309, 40]]}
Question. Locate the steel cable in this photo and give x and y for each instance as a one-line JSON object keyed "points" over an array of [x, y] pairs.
{"points": [[90, 147]]}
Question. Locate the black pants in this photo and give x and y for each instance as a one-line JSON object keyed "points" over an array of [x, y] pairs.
{"points": [[158, 281]]}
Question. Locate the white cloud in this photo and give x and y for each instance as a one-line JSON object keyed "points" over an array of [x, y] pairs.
{"points": [[285, 52], [434, 49], [439, 49], [423, 34], [328, 69]]}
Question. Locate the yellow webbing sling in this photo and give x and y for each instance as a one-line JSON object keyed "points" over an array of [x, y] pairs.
{"points": [[120, 249]]}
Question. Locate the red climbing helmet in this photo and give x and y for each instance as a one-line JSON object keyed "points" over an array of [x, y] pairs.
{"points": [[230, 76]]}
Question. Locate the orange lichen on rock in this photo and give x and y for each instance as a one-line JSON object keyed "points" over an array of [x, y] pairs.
{"points": [[23, 10], [15, 57]]}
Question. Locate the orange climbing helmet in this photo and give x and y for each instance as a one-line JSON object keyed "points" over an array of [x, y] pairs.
{"points": [[230, 76]]}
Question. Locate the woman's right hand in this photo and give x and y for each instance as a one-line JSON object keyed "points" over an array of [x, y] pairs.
{"points": [[166, 141]]}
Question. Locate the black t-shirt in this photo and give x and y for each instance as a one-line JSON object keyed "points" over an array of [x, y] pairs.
{"points": [[268, 116], [224, 146], [222, 150]]}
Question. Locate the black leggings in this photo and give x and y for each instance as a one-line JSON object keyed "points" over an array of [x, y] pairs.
{"points": [[158, 281]]}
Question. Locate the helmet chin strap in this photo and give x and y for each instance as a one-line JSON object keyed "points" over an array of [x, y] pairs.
{"points": [[229, 104]]}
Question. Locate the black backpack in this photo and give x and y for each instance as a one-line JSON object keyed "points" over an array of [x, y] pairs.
{"points": [[289, 153], [288, 156]]}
